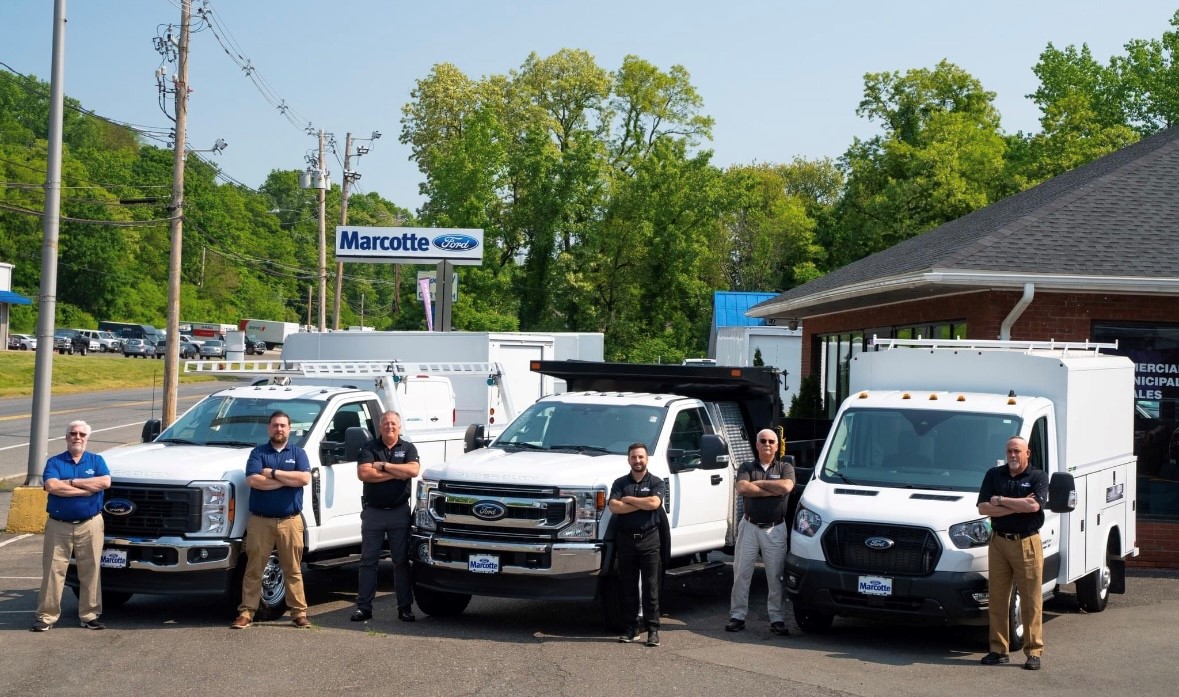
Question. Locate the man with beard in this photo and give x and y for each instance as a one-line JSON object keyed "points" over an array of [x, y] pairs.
{"points": [[637, 500], [74, 481], [276, 473]]}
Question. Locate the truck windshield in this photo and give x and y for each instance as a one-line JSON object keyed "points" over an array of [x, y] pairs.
{"points": [[606, 428], [233, 421], [916, 448]]}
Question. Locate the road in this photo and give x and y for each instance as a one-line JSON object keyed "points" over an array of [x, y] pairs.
{"points": [[115, 418]]}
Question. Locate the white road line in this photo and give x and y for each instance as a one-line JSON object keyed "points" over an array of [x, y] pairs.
{"points": [[18, 538], [97, 430]]}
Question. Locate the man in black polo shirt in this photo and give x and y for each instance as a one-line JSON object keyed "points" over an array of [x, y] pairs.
{"points": [[766, 484], [1014, 495], [637, 500], [387, 465]]}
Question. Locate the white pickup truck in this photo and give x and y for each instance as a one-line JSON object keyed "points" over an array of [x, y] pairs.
{"points": [[526, 517], [176, 511]]}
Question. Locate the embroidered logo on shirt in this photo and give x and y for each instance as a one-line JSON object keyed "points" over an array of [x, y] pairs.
{"points": [[289, 462]]}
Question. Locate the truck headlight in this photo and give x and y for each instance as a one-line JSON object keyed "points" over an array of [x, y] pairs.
{"points": [[974, 533], [217, 508], [423, 519], [807, 522], [588, 505]]}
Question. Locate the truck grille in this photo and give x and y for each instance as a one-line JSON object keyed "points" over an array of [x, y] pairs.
{"points": [[914, 551], [527, 512], [159, 511]]}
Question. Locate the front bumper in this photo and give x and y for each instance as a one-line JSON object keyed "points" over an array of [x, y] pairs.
{"points": [[943, 597], [552, 570], [169, 566]]}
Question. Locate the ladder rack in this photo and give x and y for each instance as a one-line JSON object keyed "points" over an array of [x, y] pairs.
{"points": [[342, 369], [993, 344]]}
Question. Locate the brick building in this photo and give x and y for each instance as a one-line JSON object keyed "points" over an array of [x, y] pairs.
{"points": [[1091, 254]]}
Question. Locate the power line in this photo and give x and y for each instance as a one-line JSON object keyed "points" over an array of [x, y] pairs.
{"points": [[88, 221]]}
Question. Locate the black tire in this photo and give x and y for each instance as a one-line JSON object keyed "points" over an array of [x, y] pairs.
{"points": [[440, 603], [70, 351], [1016, 632], [111, 600], [610, 597], [1093, 589], [273, 601], [811, 621]]}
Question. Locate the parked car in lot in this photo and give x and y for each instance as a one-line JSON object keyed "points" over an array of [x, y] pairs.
{"points": [[22, 342], [102, 340], [255, 345], [213, 348], [187, 348], [141, 348], [69, 341]]}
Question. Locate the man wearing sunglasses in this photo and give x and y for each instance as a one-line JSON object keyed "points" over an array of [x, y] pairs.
{"points": [[765, 483]]}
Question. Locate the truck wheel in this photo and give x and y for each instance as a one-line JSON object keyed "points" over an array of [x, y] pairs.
{"points": [[811, 621], [111, 600], [610, 595], [440, 603], [1015, 629], [274, 590], [1093, 589]]}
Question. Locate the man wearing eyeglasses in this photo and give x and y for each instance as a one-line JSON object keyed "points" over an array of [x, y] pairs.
{"points": [[74, 481], [765, 483]]}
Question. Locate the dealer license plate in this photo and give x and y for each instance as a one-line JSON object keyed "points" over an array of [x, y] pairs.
{"points": [[483, 563], [113, 559], [875, 585]]}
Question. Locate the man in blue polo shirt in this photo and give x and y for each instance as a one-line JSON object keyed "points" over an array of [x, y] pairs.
{"points": [[74, 481], [276, 472]]}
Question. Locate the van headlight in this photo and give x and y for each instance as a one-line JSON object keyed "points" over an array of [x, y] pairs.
{"points": [[807, 522], [588, 505], [217, 508], [423, 519], [974, 533]]}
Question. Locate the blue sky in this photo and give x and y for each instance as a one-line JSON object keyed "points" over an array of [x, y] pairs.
{"points": [[782, 79]]}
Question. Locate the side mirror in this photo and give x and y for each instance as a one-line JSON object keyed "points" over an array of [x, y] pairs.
{"points": [[714, 452], [1062, 493], [475, 438], [151, 430], [354, 440]]}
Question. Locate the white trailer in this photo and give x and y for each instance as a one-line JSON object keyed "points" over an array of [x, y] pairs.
{"points": [[270, 332], [513, 351], [780, 348]]}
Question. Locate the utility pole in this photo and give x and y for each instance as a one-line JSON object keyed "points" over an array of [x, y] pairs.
{"points": [[172, 357], [347, 184], [50, 224], [322, 186]]}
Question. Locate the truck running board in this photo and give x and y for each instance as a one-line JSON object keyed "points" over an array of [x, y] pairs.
{"points": [[694, 568]]}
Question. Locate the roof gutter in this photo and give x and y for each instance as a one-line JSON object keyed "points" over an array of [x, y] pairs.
{"points": [[1029, 292]]}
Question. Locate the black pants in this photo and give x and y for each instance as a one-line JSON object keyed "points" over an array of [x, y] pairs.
{"points": [[639, 559], [375, 525]]}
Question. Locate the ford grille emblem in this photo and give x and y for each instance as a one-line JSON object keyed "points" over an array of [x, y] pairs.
{"points": [[119, 507], [879, 543], [455, 243], [489, 510]]}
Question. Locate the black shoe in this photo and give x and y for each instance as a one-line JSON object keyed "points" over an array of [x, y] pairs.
{"points": [[93, 624], [1033, 663], [630, 635], [652, 637], [40, 626], [994, 659], [735, 625], [779, 628], [361, 615], [405, 614]]}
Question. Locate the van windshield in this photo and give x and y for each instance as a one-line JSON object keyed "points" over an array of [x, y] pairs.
{"points": [[916, 448], [233, 421], [605, 428]]}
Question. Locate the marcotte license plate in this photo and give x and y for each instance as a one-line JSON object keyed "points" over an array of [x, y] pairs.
{"points": [[113, 559], [483, 563], [875, 585]]}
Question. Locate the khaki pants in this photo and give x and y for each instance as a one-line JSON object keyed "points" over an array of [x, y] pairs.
{"points": [[1019, 563], [285, 536], [770, 543], [84, 542]]}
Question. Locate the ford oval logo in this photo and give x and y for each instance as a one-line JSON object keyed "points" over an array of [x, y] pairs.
{"points": [[878, 543], [489, 510], [455, 243], [119, 507]]}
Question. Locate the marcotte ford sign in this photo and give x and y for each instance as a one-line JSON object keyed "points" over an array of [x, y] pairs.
{"points": [[409, 245]]}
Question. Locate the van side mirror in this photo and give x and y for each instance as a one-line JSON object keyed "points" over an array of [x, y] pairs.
{"points": [[354, 440], [1062, 493], [151, 430], [475, 438]]}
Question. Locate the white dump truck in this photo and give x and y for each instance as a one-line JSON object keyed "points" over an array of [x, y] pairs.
{"points": [[888, 526]]}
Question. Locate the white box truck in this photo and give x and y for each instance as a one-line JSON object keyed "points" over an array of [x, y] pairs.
{"points": [[780, 347], [888, 526], [270, 332]]}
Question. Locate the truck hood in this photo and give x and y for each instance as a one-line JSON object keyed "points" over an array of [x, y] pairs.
{"points": [[531, 468], [164, 463], [930, 508]]}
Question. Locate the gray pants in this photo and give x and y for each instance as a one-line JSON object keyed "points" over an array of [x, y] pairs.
{"points": [[376, 525], [771, 544]]}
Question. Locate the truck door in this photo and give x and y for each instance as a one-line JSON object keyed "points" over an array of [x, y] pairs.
{"points": [[698, 498], [336, 490], [1042, 452]]}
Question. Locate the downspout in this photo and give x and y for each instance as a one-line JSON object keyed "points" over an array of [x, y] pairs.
{"points": [[1029, 292]]}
